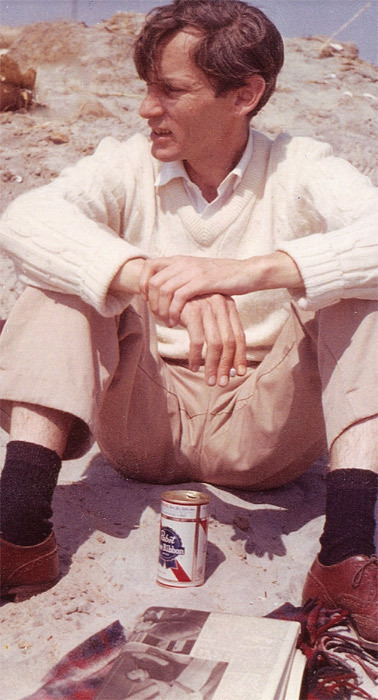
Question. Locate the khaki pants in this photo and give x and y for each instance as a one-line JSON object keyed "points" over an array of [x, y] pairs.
{"points": [[159, 422]]}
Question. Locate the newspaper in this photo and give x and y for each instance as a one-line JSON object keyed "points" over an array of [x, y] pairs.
{"points": [[178, 654]]}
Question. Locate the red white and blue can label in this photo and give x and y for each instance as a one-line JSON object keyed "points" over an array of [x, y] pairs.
{"points": [[183, 538]]}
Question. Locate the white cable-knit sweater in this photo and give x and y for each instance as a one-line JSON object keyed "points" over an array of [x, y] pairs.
{"points": [[74, 234]]}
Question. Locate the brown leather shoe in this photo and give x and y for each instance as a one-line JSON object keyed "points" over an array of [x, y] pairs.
{"points": [[351, 585], [26, 571]]}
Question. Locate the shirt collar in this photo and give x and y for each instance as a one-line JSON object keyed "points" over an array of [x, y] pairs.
{"points": [[176, 168]]}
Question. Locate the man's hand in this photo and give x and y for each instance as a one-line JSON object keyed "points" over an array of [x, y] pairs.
{"points": [[214, 321], [168, 283]]}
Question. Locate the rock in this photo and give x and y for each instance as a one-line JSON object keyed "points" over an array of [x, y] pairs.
{"points": [[58, 138], [346, 50], [94, 109], [16, 88]]}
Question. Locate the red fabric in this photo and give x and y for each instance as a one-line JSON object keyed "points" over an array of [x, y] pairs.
{"points": [[79, 674], [327, 639]]}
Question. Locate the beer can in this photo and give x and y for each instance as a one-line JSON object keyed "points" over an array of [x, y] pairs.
{"points": [[183, 538]]}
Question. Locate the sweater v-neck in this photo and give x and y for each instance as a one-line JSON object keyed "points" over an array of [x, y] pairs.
{"points": [[206, 231]]}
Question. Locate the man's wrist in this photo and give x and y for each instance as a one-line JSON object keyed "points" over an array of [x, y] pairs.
{"points": [[278, 270], [127, 279]]}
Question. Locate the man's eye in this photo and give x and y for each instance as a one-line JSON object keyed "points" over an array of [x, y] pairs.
{"points": [[169, 90], [163, 89]]}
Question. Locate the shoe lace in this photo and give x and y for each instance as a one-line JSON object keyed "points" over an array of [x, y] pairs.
{"points": [[357, 578]]}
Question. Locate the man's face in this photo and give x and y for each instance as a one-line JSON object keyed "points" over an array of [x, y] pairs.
{"points": [[188, 122]]}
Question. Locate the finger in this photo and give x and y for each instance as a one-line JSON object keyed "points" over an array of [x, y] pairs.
{"points": [[162, 287], [240, 357], [222, 308], [159, 299], [181, 295], [149, 269], [159, 269], [195, 329], [214, 345], [170, 289]]}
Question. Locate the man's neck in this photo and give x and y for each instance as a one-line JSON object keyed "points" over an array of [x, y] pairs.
{"points": [[210, 177]]}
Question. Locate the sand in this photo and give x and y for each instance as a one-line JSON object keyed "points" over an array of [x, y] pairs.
{"points": [[260, 544]]}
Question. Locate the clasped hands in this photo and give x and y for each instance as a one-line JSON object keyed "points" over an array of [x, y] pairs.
{"points": [[196, 292]]}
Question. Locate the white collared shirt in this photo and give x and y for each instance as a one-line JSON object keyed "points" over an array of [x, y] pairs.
{"points": [[169, 171]]}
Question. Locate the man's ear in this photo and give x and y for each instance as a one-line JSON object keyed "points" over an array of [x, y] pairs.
{"points": [[250, 94]]}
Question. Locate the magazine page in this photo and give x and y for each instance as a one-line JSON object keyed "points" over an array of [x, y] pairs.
{"points": [[174, 629], [257, 653], [296, 676], [143, 672]]}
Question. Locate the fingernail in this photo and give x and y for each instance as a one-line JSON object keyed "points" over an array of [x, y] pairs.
{"points": [[223, 380], [194, 368], [211, 381], [232, 372], [242, 369]]}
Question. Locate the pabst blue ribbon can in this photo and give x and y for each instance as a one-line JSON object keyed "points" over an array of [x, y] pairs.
{"points": [[183, 538]]}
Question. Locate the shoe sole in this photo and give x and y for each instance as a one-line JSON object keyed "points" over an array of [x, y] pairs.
{"points": [[25, 591]]}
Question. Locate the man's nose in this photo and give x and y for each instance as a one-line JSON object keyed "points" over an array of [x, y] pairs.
{"points": [[151, 106]]}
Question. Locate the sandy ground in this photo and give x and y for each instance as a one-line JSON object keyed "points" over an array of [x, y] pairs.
{"points": [[260, 544]]}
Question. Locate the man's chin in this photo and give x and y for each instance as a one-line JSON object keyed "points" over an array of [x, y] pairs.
{"points": [[165, 155]]}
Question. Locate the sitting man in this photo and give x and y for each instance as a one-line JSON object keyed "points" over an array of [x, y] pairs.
{"points": [[201, 304]]}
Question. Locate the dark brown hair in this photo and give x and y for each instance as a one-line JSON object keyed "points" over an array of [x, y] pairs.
{"points": [[236, 41]]}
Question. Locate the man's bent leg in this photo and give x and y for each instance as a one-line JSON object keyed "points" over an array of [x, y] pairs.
{"points": [[345, 572], [49, 381], [60, 364]]}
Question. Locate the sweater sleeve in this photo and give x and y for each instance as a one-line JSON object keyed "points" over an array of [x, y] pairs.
{"points": [[341, 261], [66, 236]]}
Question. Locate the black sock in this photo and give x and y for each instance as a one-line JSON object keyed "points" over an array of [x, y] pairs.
{"points": [[28, 480], [349, 525]]}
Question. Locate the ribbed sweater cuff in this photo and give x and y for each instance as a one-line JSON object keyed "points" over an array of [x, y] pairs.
{"points": [[320, 270], [99, 274]]}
